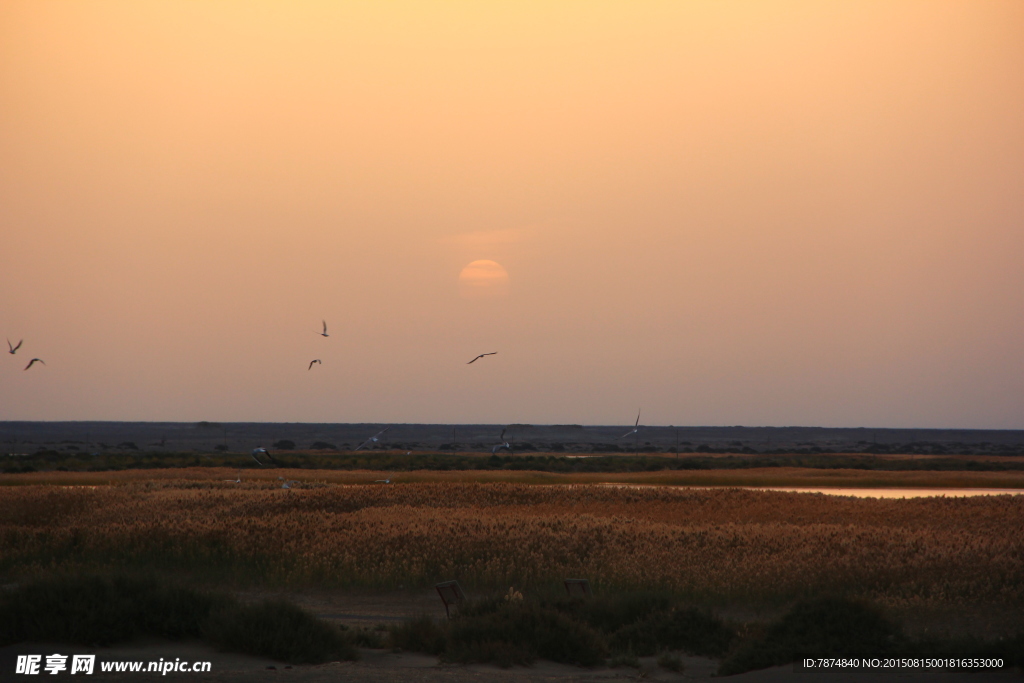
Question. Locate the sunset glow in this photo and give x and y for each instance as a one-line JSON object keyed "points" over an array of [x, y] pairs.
{"points": [[483, 279], [758, 213]]}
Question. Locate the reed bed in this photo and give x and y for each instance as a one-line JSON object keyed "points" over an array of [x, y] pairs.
{"points": [[713, 546]]}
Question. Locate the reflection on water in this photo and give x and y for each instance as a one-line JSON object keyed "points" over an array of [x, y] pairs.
{"points": [[899, 493], [837, 491]]}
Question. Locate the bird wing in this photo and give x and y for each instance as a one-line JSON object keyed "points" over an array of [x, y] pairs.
{"points": [[502, 437], [20, 342], [364, 443], [35, 360], [256, 459], [475, 359], [628, 433], [637, 423], [325, 326]]}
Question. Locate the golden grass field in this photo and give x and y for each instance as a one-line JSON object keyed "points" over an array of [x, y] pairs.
{"points": [[712, 545]]}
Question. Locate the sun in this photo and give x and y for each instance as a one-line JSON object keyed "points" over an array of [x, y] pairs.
{"points": [[483, 279]]}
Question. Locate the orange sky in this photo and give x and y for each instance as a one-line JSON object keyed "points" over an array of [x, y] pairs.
{"points": [[757, 213]]}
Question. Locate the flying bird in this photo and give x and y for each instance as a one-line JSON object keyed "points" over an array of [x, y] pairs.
{"points": [[481, 356], [34, 360], [373, 439], [324, 333], [382, 481], [504, 444], [313, 362], [635, 428], [261, 451], [12, 349]]}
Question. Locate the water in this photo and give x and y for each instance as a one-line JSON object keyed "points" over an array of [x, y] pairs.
{"points": [[854, 492], [898, 493]]}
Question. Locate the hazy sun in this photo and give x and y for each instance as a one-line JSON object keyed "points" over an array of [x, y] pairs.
{"points": [[482, 280]]}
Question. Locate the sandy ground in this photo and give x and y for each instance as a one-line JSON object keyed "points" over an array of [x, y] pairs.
{"points": [[379, 666]]}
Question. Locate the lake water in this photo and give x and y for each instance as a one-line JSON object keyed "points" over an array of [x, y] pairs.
{"points": [[855, 492], [900, 493]]}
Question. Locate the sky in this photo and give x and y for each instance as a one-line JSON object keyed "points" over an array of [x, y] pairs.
{"points": [[723, 213]]}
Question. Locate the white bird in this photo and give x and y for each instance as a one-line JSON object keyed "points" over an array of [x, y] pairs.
{"points": [[12, 349], [382, 481], [636, 426], [324, 333], [492, 353], [34, 360], [261, 451], [504, 444], [373, 439], [313, 362]]}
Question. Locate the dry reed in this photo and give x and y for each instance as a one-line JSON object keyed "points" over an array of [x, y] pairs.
{"points": [[711, 545]]}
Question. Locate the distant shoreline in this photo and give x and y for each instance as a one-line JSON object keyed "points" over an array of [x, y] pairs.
{"points": [[241, 437]]}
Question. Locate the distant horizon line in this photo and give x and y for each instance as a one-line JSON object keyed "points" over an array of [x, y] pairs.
{"points": [[519, 424]]}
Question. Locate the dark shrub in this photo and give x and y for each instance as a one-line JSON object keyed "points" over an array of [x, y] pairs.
{"points": [[670, 661], [829, 627], [609, 614], [322, 446], [519, 632], [284, 445], [688, 629], [104, 611], [279, 630], [422, 634]]}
